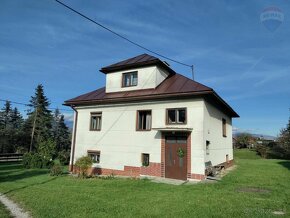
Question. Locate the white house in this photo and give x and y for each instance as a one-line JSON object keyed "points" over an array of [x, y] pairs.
{"points": [[150, 120]]}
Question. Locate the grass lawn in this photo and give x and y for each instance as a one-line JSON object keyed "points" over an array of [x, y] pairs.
{"points": [[4, 213], [235, 196]]}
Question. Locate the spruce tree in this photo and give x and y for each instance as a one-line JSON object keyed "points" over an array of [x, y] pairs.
{"points": [[5, 115], [39, 118], [11, 136], [60, 131]]}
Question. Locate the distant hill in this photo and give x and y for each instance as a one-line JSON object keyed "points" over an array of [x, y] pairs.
{"points": [[266, 137]]}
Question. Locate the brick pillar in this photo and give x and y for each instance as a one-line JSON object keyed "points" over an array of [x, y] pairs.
{"points": [[162, 155], [188, 155]]}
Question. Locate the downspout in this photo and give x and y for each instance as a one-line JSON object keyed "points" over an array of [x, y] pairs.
{"points": [[74, 139]]}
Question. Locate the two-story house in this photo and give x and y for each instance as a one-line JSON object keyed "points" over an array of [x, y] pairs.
{"points": [[150, 120]]}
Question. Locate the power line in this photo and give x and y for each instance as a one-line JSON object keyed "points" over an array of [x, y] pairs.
{"points": [[123, 37], [27, 105]]}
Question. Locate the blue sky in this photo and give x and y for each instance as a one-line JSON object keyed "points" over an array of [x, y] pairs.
{"points": [[231, 49]]}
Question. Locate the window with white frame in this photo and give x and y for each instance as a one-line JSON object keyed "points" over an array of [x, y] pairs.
{"points": [[176, 116], [144, 120], [96, 121], [130, 79], [95, 156]]}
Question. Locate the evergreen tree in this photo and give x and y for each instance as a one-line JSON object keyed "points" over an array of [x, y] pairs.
{"points": [[284, 140], [39, 118], [60, 132], [16, 119], [5, 115], [10, 129]]}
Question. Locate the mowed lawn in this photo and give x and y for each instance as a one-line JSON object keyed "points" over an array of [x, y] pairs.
{"points": [[256, 188]]}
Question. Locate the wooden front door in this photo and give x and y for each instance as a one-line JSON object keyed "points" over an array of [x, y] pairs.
{"points": [[175, 157]]}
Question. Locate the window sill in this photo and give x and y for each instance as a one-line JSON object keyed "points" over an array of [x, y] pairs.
{"points": [[143, 130], [128, 86]]}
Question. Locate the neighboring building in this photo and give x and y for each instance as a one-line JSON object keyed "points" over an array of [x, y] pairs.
{"points": [[150, 120]]}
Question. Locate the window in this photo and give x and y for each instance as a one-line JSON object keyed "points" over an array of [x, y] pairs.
{"points": [[130, 79], [96, 121], [145, 159], [144, 120], [176, 116], [224, 127], [207, 147], [95, 155]]}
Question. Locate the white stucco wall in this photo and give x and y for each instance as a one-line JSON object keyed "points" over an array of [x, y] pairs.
{"points": [[148, 78], [121, 145], [219, 146]]}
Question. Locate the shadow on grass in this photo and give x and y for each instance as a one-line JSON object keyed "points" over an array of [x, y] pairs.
{"points": [[285, 164], [30, 185], [21, 174], [10, 166]]}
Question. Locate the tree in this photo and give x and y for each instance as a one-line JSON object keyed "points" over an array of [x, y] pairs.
{"points": [[16, 119], [10, 129], [284, 140], [60, 132], [244, 140], [39, 117], [5, 115]]}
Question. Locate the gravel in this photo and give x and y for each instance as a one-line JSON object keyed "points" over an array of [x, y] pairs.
{"points": [[14, 208]]}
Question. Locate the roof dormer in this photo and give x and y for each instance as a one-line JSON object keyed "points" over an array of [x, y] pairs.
{"points": [[137, 73]]}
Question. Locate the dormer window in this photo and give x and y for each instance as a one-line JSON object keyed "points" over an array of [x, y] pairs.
{"points": [[130, 79]]}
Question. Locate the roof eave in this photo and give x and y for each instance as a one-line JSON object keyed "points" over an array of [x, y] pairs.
{"points": [[157, 62], [132, 98]]}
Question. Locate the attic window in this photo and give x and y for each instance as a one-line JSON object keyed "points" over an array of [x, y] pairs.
{"points": [[130, 79]]}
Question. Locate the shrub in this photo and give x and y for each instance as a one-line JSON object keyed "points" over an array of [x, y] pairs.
{"points": [[35, 160], [83, 164], [26, 160], [63, 157], [56, 169]]}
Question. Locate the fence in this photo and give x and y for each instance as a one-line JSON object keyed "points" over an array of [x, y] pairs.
{"points": [[10, 157]]}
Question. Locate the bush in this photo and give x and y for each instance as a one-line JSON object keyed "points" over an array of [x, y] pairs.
{"points": [[83, 164], [63, 157], [26, 160], [35, 160], [56, 169]]}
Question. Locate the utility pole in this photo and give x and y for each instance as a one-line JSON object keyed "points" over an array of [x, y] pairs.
{"points": [[192, 71], [33, 129]]}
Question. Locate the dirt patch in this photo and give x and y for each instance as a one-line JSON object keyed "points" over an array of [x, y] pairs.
{"points": [[253, 190]]}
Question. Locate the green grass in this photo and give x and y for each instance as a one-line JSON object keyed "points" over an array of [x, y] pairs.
{"points": [[246, 154], [66, 196], [4, 213]]}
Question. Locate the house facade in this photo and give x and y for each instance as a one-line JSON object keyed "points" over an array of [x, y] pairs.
{"points": [[151, 121]]}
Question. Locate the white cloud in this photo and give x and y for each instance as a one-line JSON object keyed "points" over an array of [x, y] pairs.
{"points": [[68, 116]]}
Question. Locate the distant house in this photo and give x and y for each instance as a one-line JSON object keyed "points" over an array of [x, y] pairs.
{"points": [[149, 120]]}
